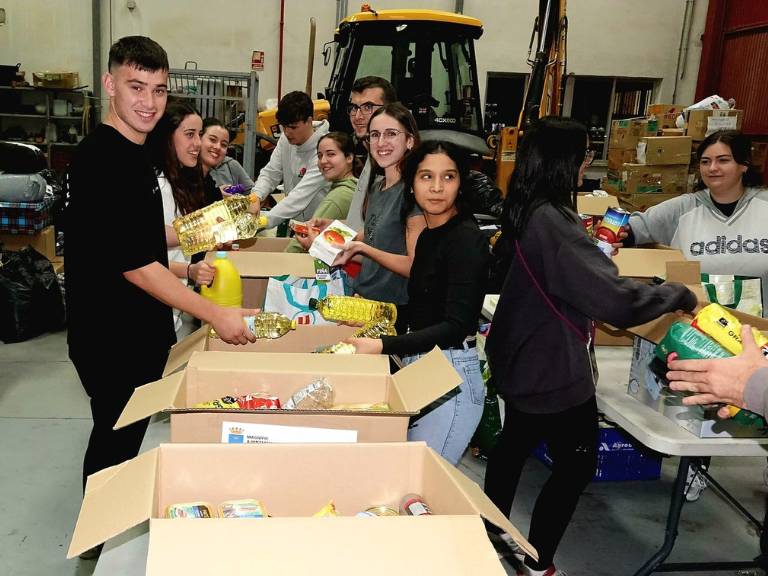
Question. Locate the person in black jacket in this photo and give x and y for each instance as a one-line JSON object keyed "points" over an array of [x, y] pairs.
{"points": [[445, 294], [539, 344]]}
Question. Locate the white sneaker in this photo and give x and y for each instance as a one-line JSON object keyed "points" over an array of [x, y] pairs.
{"points": [[695, 484], [551, 571]]}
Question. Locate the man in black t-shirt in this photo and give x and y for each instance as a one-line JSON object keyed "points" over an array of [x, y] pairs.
{"points": [[118, 287]]}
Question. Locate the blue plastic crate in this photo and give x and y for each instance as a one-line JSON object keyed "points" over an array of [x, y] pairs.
{"points": [[619, 458]]}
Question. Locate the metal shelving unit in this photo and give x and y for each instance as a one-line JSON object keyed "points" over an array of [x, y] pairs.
{"points": [[232, 97]]}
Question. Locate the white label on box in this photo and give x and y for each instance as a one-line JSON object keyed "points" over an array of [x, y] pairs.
{"points": [[243, 433], [715, 123]]}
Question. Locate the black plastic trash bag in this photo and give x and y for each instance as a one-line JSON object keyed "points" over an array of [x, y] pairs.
{"points": [[30, 297], [482, 195]]}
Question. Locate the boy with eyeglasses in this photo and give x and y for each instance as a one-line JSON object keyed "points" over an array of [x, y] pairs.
{"points": [[294, 162]]}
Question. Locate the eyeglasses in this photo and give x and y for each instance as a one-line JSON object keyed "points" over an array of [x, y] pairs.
{"points": [[366, 108], [389, 134], [589, 157]]}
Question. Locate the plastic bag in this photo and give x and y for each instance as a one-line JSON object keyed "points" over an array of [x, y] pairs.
{"points": [[30, 298]]}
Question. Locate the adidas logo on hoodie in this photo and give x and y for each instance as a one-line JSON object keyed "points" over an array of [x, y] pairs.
{"points": [[721, 245]]}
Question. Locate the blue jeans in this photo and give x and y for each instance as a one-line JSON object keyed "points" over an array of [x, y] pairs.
{"points": [[447, 425]]}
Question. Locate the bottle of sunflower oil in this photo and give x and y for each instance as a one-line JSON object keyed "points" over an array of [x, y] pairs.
{"points": [[227, 287], [217, 223], [268, 325], [350, 309]]}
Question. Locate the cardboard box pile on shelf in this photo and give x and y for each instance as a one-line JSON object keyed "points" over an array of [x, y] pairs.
{"points": [[626, 133], [293, 482], [358, 382], [664, 150]]}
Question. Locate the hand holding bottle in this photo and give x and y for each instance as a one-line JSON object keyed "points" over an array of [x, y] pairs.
{"points": [[201, 273], [229, 325]]}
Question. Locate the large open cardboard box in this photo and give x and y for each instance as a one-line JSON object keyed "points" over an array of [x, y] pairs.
{"points": [[355, 379], [293, 482], [642, 264], [595, 205]]}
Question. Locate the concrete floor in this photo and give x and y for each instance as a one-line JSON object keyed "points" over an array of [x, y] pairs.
{"points": [[45, 422]]}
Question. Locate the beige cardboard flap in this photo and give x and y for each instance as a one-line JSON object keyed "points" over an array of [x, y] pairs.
{"points": [[341, 546], [150, 399], [645, 262], [426, 380], [263, 264], [595, 205], [686, 272], [181, 351], [291, 362], [115, 500], [484, 506]]}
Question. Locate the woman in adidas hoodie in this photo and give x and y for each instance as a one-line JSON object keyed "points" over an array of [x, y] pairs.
{"points": [[722, 225]]}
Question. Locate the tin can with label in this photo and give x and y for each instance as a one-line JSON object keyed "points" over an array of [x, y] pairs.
{"points": [[589, 224], [608, 231], [414, 505], [378, 511]]}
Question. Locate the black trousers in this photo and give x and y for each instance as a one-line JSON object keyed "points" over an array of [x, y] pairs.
{"points": [[572, 438], [109, 391]]}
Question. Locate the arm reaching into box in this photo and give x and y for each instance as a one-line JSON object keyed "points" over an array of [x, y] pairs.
{"points": [[157, 281]]}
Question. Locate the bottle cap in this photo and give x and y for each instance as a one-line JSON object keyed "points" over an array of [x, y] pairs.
{"points": [[313, 303], [221, 254]]}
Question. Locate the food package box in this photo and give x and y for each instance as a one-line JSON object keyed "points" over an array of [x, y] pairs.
{"points": [[43, 241], [665, 150], [356, 379], [701, 123], [665, 114], [626, 133], [617, 157], [293, 482], [650, 389], [56, 79]]}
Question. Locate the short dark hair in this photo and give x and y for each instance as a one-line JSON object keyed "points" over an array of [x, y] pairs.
{"points": [[417, 155], [138, 51], [741, 150], [294, 107], [367, 82]]}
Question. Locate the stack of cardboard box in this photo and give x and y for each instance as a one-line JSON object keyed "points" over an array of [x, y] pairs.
{"points": [[644, 168]]}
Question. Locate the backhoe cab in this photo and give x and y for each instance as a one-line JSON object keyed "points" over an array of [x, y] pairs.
{"points": [[427, 55]]}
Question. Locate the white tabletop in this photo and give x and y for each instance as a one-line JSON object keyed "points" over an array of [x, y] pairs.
{"points": [[650, 427]]}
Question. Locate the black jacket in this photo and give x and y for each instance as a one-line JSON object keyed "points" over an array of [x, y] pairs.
{"points": [[540, 364]]}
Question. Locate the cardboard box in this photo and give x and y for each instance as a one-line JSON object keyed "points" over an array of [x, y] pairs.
{"points": [[303, 339], [355, 378], [641, 202], [700, 123], [293, 482], [56, 79], [646, 387], [626, 133], [650, 179], [666, 150], [617, 157], [595, 205], [44, 242], [665, 114]]}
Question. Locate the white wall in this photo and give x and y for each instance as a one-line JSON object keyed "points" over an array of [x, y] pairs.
{"points": [[47, 35], [607, 37]]}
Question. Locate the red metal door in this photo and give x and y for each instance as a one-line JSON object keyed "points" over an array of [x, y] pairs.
{"points": [[734, 59]]}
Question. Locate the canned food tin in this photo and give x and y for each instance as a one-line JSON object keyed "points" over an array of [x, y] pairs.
{"points": [[613, 221], [589, 224], [380, 511]]}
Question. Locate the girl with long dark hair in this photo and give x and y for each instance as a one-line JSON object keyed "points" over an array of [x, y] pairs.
{"points": [[445, 294], [539, 344]]}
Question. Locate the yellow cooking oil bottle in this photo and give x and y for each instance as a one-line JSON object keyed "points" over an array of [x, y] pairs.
{"points": [[223, 221], [227, 287], [268, 325], [351, 309]]}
